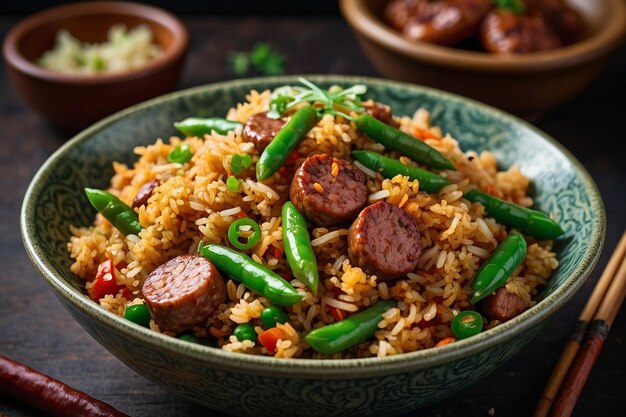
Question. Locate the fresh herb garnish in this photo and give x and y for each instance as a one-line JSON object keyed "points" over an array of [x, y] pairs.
{"points": [[262, 58], [335, 100], [515, 6]]}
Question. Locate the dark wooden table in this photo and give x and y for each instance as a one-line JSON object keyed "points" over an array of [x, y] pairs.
{"points": [[36, 330]]}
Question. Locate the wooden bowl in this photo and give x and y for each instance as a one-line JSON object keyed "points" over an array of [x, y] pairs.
{"points": [[525, 84], [73, 102]]}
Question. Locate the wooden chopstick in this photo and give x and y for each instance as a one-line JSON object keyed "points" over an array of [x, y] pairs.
{"points": [[602, 307]]}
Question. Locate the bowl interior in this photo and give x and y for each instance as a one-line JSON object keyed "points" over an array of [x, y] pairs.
{"points": [[89, 22], [91, 28], [55, 199]]}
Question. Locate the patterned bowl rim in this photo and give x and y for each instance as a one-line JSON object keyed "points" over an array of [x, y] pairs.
{"points": [[312, 368]]}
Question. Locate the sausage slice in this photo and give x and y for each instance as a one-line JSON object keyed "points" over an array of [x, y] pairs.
{"points": [[327, 195], [260, 130], [183, 292], [380, 112], [503, 305], [384, 240], [144, 193]]}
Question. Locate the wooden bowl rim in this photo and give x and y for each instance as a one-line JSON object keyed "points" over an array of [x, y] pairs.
{"points": [[603, 41]]}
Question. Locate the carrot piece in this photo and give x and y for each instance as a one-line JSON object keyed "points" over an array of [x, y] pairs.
{"points": [[445, 341], [424, 134]]}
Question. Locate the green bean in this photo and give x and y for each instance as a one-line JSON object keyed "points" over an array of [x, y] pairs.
{"points": [[532, 222], [285, 141], [429, 181], [351, 331], [396, 140], [499, 267], [195, 126], [255, 276], [297, 244], [121, 216]]}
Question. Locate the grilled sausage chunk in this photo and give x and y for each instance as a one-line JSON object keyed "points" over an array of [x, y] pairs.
{"points": [[144, 193], [564, 20], [446, 22], [503, 305], [380, 112], [384, 240], [260, 130], [327, 190], [398, 12], [506, 32], [183, 292]]}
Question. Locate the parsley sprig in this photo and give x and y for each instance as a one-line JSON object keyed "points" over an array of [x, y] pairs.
{"points": [[263, 58], [336, 100]]}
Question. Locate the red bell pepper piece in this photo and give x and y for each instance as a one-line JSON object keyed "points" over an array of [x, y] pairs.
{"points": [[104, 283], [270, 337], [337, 313]]}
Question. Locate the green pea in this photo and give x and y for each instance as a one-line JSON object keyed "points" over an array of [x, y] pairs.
{"points": [[244, 331], [139, 314], [272, 315], [188, 337], [466, 324]]}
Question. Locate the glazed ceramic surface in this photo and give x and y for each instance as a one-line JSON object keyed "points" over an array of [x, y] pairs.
{"points": [[257, 385]]}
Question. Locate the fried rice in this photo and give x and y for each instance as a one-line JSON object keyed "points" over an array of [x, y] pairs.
{"points": [[192, 204]]}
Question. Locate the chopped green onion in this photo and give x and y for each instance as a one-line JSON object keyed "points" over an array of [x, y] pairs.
{"points": [[235, 164], [234, 233], [466, 324], [334, 100], [246, 160], [98, 64], [232, 184], [180, 154]]}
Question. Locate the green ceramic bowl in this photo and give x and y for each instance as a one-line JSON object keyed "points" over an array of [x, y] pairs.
{"points": [[254, 385]]}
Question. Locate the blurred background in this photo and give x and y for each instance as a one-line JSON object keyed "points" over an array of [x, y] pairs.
{"points": [[314, 38], [248, 7]]}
